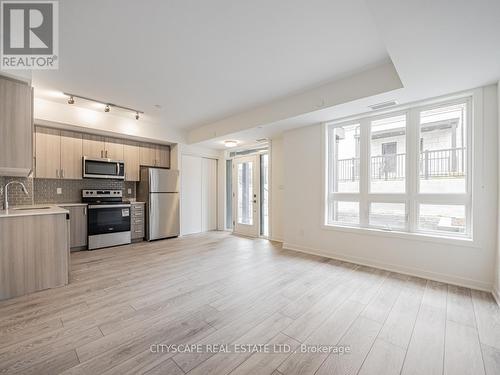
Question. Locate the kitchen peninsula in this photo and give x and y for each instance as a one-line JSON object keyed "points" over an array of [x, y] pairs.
{"points": [[34, 251]]}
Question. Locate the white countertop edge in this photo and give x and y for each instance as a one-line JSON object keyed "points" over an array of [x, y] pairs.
{"points": [[53, 210]]}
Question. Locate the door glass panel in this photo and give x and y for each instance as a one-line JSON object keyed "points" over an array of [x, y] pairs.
{"points": [[388, 155], [245, 193]]}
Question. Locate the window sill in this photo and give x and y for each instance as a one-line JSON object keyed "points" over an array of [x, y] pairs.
{"points": [[457, 241]]}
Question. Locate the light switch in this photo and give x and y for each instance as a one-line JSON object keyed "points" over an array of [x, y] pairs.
{"points": [[59, 191]]}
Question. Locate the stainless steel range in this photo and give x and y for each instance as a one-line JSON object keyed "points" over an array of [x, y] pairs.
{"points": [[108, 218]]}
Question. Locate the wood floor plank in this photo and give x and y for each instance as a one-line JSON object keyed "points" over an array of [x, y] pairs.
{"points": [[462, 350], [426, 349], [491, 358], [460, 309], [487, 314], [359, 338], [384, 358]]}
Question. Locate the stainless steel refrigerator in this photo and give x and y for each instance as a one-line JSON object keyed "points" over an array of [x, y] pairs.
{"points": [[159, 188]]}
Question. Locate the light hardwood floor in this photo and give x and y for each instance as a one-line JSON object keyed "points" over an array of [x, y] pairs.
{"points": [[216, 288]]}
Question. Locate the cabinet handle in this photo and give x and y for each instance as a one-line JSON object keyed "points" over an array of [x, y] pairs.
{"points": [[101, 154], [84, 211], [62, 173], [106, 153], [57, 173]]}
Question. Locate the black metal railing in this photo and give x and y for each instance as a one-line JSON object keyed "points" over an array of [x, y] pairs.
{"points": [[448, 162]]}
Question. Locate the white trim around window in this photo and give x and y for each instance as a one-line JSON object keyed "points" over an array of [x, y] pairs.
{"points": [[408, 208]]}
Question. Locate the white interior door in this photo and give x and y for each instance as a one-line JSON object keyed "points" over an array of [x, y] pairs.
{"points": [[246, 191], [208, 194], [191, 194]]}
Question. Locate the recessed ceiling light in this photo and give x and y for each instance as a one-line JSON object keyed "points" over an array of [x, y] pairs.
{"points": [[230, 143]]}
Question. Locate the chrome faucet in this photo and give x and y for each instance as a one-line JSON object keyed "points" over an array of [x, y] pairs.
{"points": [[5, 191]]}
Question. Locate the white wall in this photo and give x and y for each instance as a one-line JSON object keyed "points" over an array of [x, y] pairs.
{"points": [[277, 189], [496, 286], [461, 265], [47, 112]]}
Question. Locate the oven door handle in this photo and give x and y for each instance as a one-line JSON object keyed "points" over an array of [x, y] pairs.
{"points": [[95, 206]]}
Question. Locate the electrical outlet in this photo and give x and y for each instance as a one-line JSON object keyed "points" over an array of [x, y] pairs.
{"points": [[59, 191], [129, 191]]}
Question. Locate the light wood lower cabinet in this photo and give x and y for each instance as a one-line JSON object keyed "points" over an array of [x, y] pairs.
{"points": [[16, 127], [78, 226], [34, 254]]}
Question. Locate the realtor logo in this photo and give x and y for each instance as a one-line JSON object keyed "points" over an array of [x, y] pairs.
{"points": [[29, 37]]}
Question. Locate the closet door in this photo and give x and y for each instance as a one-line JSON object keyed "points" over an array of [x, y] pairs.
{"points": [[208, 194], [191, 220]]}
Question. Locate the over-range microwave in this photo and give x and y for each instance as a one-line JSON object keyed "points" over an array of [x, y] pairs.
{"points": [[103, 168]]}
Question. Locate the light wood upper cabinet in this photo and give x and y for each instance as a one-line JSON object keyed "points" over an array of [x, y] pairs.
{"points": [[71, 155], [93, 146], [132, 158], [47, 153], [113, 149], [16, 128], [58, 154], [148, 154], [163, 156]]}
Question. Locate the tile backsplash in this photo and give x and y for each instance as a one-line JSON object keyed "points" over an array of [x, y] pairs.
{"points": [[45, 190]]}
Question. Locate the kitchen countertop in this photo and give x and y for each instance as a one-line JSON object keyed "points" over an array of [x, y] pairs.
{"points": [[32, 210], [71, 204]]}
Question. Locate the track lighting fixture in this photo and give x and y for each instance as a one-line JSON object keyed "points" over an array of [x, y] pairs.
{"points": [[107, 105]]}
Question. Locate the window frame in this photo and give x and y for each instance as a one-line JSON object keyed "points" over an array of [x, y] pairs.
{"points": [[412, 198]]}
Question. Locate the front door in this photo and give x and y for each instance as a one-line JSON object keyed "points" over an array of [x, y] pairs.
{"points": [[246, 202]]}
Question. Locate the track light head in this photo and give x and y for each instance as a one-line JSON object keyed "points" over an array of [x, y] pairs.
{"points": [[137, 115], [106, 109], [71, 100]]}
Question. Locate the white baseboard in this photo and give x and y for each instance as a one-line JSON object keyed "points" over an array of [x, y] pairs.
{"points": [[449, 279]]}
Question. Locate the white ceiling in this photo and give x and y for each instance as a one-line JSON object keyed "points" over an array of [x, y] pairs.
{"points": [[206, 60]]}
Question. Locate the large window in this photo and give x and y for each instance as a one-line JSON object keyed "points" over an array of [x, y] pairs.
{"points": [[406, 171]]}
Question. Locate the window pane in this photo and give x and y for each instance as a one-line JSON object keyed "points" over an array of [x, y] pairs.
{"points": [[442, 218], [245, 189], [388, 155], [345, 212], [388, 215], [346, 158], [443, 152]]}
